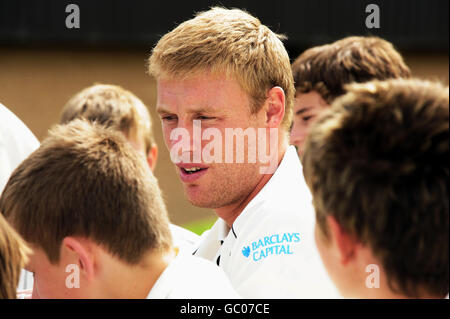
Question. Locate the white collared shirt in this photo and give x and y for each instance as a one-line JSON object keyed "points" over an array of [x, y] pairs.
{"points": [[16, 143], [183, 239], [270, 251], [190, 277]]}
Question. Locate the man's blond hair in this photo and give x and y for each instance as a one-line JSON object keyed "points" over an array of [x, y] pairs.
{"points": [[229, 42], [13, 257], [113, 106]]}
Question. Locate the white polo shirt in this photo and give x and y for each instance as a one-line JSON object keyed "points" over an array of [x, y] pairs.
{"points": [[16, 143], [270, 251], [190, 277], [183, 239]]}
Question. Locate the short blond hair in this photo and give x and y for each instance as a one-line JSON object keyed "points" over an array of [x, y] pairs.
{"points": [[13, 257], [113, 106], [230, 42]]}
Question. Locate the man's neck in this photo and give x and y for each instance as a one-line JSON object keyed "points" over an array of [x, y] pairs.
{"points": [[231, 212], [136, 282], [386, 293], [383, 289]]}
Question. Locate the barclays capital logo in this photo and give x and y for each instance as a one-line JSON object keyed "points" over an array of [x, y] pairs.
{"points": [[246, 251], [276, 244]]}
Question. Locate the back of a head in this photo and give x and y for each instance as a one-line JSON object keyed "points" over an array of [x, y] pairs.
{"points": [[328, 68], [86, 180], [113, 106], [13, 256], [231, 43], [377, 161]]}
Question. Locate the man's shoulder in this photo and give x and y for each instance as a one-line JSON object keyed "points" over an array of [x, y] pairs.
{"points": [[281, 261], [276, 218]]}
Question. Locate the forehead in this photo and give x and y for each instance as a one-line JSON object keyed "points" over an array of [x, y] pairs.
{"points": [[310, 100], [203, 91]]}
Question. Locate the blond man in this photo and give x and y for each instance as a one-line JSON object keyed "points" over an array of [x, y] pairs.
{"points": [[221, 72], [377, 166], [93, 214]]}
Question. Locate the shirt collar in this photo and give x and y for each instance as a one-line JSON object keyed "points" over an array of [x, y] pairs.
{"points": [[222, 230], [170, 276], [290, 166]]}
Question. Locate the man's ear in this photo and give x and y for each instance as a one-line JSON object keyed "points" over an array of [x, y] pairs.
{"points": [[275, 107], [152, 157], [345, 244], [80, 252]]}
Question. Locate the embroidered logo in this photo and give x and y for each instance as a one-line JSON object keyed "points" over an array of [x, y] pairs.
{"points": [[246, 251], [277, 244]]}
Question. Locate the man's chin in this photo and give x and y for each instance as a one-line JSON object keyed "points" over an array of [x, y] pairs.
{"points": [[195, 195], [200, 197], [201, 202]]}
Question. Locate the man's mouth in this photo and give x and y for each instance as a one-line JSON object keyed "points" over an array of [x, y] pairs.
{"points": [[192, 170], [190, 173]]}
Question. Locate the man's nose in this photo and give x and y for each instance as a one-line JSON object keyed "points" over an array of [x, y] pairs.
{"points": [[189, 134]]}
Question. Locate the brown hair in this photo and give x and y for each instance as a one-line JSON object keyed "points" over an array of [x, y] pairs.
{"points": [[377, 161], [13, 257], [113, 106], [328, 68], [230, 42], [86, 180]]}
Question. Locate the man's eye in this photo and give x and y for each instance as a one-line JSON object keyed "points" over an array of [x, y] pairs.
{"points": [[202, 117], [168, 118], [307, 118]]}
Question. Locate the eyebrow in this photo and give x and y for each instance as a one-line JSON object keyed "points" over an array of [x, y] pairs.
{"points": [[303, 110], [162, 110]]}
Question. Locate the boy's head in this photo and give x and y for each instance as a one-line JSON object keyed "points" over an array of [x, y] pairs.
{"points": [[85, 198], [13, 257], [115, 107], [377, 166], [321, 73]]}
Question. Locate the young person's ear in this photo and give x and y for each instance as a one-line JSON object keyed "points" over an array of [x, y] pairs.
{"points": [[80, 252], [275, 107], [152, 157], [345, 244]]}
